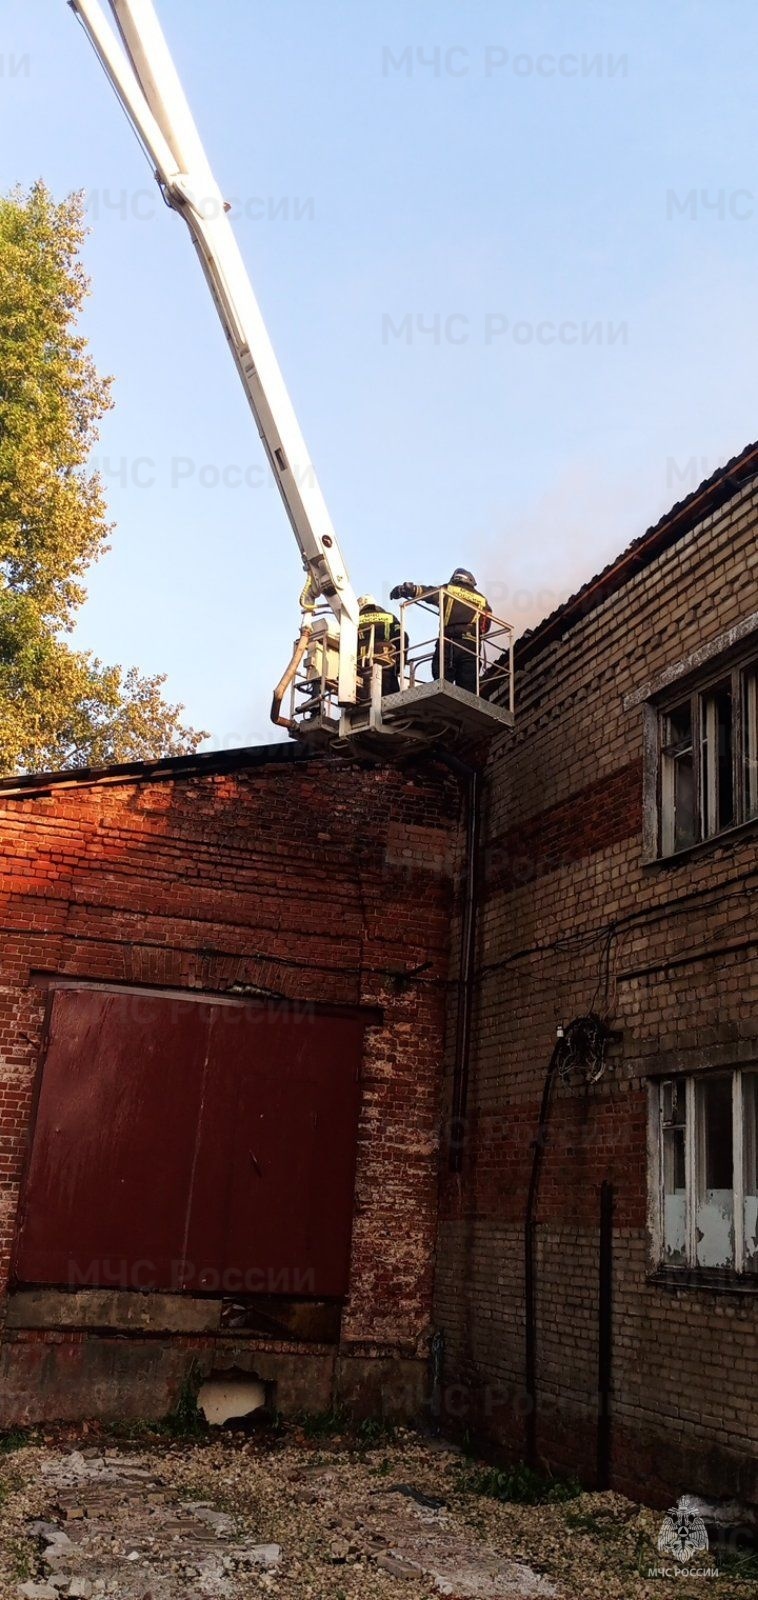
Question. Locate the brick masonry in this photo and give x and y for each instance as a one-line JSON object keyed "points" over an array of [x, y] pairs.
{"points": [[212, 879], [566, 895], [317, 880]]}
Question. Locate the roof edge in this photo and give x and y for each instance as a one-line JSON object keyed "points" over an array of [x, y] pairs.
{"points": [[709, 496], [204, 764]]}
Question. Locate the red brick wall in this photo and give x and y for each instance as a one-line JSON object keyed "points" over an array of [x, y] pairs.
{"points": [[318, 880], [566, 896]]}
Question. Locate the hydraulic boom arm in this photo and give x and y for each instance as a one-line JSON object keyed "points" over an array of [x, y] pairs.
{"points": [[148, 86]]}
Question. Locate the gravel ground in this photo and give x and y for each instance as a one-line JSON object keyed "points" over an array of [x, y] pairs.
{"points": [[151, 1519]]}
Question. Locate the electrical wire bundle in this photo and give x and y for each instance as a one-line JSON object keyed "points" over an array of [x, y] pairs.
{"points": [[583, 1047]]}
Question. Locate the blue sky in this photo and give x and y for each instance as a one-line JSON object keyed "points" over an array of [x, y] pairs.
{"points": [[512, 335]]}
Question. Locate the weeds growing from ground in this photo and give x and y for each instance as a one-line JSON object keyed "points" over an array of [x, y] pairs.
{"points": [[740, 1564], [185, 1421], [14, 1439], [21, 1560], [597, 1524], [521, 1485], [322, 1424], [375, 1431], [338, 1422]]}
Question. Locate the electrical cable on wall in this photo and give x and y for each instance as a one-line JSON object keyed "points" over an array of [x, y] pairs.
{"points": [[579, 1051], [583, 1049]]}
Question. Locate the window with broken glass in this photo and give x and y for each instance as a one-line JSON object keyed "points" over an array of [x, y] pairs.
{"points": [[708, 1172], [708, 767]]}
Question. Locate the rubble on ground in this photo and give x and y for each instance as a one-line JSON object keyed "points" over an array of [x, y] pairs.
{"points": [[236, 1516]]}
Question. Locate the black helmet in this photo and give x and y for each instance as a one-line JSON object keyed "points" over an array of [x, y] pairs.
{"points": [[462, 576]]}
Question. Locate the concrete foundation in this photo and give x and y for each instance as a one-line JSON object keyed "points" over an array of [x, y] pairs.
{"points": [[72, 1378]]}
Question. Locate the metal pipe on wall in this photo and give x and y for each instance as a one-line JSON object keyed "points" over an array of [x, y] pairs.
{"points": [[466, 974], [530, 1269], [605, 1336]]}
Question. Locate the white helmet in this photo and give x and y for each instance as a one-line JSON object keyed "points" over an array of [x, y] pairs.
{"points": [[364, 601]]}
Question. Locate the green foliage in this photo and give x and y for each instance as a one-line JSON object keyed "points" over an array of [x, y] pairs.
{"points": [[13, 1439], [520, 1484], [185, 1421], [741, 1564], [366, 1434], [20, 1558], [323, 1424], [373, 1431], [58, 707], [598, 1524], [10, 1480], [131, 1431]]}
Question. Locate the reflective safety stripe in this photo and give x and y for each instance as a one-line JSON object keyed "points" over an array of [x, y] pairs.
{"points": [[468, 597], [383, 648], [368, 619]]}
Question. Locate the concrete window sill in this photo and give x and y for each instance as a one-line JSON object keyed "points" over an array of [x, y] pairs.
{"points": [[714, 1282], [727, 837]]}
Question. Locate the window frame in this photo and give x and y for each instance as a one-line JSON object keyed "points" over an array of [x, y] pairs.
{"points": [[739, 1273], [741, 677]]}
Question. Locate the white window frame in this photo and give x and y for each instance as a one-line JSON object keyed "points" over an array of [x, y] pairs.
{"points": [[660, 826], [690, 1265], [750, 738], [669, 766]]}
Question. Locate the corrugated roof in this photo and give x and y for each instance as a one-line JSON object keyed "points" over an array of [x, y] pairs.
{"points": [[712, 493]]}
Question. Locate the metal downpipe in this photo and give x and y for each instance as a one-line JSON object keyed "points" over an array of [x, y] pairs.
{"points": [[530, 1268], [466, 975]]}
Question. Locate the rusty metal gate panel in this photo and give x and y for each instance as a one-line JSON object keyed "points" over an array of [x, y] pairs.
{"points": [[292, 1151], [192, 1145], [105, 1195]]}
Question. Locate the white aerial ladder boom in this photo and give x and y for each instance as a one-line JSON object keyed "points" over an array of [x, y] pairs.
{"points": [[322, 678], [148, 86]]}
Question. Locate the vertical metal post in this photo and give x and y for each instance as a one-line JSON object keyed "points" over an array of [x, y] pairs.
{"points": [[466, 984], [605, 1336], [438, 1362], [442, 593], [530, 1264], [375, 716], [738, 1136]]}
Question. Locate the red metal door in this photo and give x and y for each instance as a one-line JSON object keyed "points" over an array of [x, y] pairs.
{"points": [[182, 1144], [105, 1196], [293, 1154]]}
